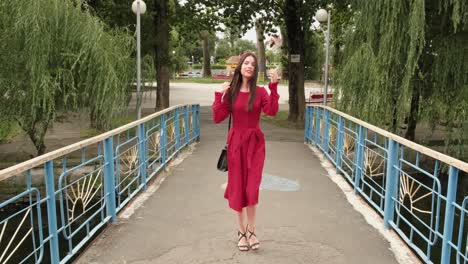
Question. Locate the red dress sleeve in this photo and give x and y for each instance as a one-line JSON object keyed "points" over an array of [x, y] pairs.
{"points": [[221, 108], [270, 102]]}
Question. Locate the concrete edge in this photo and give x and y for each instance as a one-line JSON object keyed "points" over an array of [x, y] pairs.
{"points": [[403, 254], [140, 199]]}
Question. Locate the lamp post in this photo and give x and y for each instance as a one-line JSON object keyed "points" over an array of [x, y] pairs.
{"points": [[322, 15], [173, 55], [138, 7]]}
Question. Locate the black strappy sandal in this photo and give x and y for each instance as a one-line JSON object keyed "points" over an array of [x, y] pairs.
{"points": [[255, 245], [242, 247]]}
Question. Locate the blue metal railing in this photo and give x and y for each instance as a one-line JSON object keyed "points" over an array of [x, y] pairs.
{"points": [[63, 198], [414, 188]]}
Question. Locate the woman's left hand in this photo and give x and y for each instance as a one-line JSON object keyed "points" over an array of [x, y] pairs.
{"points": [[273, 75]]}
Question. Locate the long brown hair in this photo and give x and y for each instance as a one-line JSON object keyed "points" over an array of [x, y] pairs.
{"points": [[236, 81]]}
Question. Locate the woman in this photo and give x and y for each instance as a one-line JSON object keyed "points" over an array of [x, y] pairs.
{"points": [[246, 142]]}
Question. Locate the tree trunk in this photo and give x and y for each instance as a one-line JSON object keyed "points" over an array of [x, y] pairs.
{"points": [[261, 50], [233, 36], [394, 125], [421, 84], [96, 121], [295, 36], [284, 57], [162, 54], [414, 112], [36, 130], [337, 55], [206, 54], [92, 118]]}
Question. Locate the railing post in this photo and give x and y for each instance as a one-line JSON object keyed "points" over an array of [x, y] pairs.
{"points": [[52, 212], [326, 130], [109, 177], [359, 159], [186, 122], [162, 125], [317, 127], [339, 142], [177, 130], [198, 122], [311, 120], [449, 214], [391, 184], [307, 125], [142, 153], [193, 122]]}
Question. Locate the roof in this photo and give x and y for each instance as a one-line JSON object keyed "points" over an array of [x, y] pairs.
{"points": [[233, 60], [274, 42]]}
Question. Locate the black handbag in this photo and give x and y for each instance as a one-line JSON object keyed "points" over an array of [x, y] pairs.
{"points": [[222, 161]]}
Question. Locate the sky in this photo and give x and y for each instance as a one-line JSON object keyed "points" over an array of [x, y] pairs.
{"points": [[250, 35]]}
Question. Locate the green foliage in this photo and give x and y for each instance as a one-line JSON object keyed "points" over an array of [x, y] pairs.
{"points": [[272, 57], [192, 29], [396, 51], [341, 25], [392, 55], [179, 63], [447, 102], [242, 45], [59, 57], [314, 56], [8, 130], [118, 14], [218, 66], [148, 70], [214, 66], [226, 48], [223, 50]]}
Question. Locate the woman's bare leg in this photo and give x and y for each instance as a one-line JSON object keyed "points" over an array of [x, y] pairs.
{"points": [[241, 221], [251, 236]]}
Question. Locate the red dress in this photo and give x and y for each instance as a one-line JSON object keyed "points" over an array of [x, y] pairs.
{"points": [[246, 143]]}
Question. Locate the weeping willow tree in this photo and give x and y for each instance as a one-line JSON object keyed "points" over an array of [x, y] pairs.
{"points": [[55, 56], [406, 62]]}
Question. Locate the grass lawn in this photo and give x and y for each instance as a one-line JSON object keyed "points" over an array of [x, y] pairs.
{"points": [[281, 120], [197, 80], [8, 130], [210, 80], [118, 121]]}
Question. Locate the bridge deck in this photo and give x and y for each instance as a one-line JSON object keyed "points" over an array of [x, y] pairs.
{"points": [[303, 217]]}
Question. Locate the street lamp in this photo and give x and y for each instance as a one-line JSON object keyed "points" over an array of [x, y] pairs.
{"points": [[138, 7], [322, 15], [173, 55]]}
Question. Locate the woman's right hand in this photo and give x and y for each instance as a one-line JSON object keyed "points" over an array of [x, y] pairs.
{"points": [[224, 87], [274, 75]]}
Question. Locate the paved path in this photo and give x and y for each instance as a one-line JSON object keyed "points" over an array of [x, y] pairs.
{"points": [[303, 217]]}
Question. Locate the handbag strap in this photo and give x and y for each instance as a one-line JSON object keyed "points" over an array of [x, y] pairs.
{"points": [[229, 127], [230, 116]]}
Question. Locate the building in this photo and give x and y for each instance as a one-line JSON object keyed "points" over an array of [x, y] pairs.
{"points": [[231, 64], [274, 42]]}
